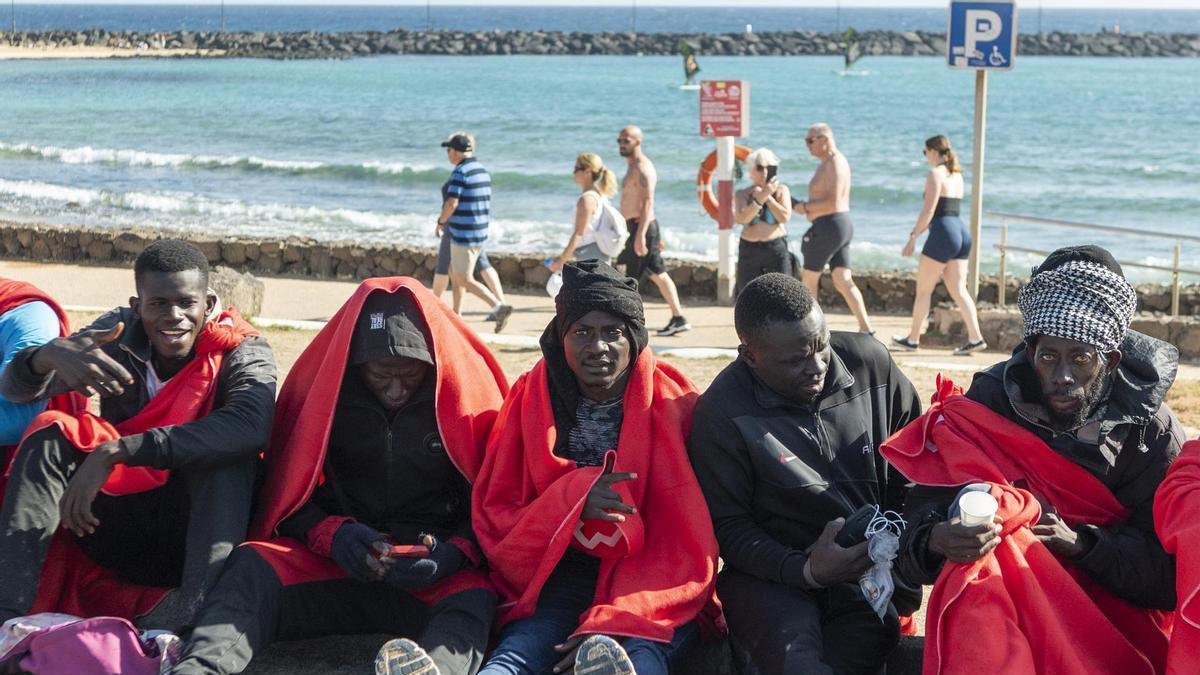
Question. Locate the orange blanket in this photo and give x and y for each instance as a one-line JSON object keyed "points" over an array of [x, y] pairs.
{"points": [[1177, 520], [1020, 610], [470, 389], [71, 583], [658, 568]]}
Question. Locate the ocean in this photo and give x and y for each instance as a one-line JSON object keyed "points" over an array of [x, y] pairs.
{"points": [[350, 149]]}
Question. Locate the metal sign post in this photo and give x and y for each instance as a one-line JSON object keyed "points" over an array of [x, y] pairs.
{"points": [[981, 36], [724, 115]]}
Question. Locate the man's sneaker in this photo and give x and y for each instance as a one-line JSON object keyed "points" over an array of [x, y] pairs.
{"points": [[677, 324], [502, 314], [971, 348], [902, 342], [404, 657], [602, 655]]}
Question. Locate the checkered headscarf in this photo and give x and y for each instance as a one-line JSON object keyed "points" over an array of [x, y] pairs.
{"points": [[1079, 300]]}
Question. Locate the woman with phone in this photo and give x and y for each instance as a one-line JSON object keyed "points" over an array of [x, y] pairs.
{"points": [[947, 249], [764, 209]]}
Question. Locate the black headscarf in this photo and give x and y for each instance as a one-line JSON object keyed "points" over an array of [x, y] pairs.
{"points": [[588, 286]]}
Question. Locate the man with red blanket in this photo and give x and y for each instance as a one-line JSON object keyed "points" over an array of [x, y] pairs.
{"points": [[784, 443], [155, 492], [586, 507], [380, 430], [28, 318], [1072, 438]]}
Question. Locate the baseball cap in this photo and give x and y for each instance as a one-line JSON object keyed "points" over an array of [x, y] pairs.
{"points": [[460, 141], [389, 324]]}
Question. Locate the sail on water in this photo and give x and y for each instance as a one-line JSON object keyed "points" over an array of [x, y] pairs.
{"points": [[853, 49], [690, 66]]}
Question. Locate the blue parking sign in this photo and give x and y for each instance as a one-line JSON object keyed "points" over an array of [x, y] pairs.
{"points": [[982, 34]]}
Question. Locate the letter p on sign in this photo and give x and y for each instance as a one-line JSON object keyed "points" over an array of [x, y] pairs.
{"points": [[983, 25]]}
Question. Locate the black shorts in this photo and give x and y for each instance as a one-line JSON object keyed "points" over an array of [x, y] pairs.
{"points": [[652, 262], [827, 242], [756, 258], [948, 240]]}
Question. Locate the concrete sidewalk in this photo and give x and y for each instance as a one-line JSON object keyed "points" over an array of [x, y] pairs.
{"points": [[289, 299]]}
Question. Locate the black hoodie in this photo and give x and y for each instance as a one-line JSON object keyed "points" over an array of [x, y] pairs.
{"points": [[1128, 443]]}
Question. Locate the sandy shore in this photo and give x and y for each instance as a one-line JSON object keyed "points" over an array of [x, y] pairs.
{"points": [[8, 52]]}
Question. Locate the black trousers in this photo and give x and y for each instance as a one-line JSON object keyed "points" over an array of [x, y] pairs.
{"points": [[176, 535], [250, 608], [756, 258], [777, 630]]}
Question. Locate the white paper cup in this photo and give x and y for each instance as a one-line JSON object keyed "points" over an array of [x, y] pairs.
{"points": [[977, 508]]}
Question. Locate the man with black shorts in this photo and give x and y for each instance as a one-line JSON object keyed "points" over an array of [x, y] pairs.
{"points": [[643, 248], [827, 242]]}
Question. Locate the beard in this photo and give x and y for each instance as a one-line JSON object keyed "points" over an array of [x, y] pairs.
{"points": [[1090, 397]]}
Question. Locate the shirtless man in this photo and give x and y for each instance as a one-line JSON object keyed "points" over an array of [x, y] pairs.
{"points": [[827, 242], [643, 248]]}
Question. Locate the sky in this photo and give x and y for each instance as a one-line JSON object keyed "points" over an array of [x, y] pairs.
{"points": [[1047, 4]]}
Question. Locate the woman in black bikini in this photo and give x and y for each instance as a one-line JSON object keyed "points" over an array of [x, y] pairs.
{"points": [[764, 209], [946, 250]]}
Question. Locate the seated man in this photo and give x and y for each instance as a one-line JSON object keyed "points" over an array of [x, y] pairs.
{"points": [[1175, 507], [1071, 437], [784, 443], [156, 491], [380, 430], [587, 510], [28, 318]]}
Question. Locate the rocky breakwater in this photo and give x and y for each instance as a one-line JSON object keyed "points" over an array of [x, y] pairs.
{"points": [[312, 45]]}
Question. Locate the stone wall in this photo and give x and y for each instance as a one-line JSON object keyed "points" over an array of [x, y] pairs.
{"points": [[313, 45], [1003, 328], [888, 292]]}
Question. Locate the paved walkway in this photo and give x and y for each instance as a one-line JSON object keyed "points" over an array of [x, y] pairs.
{"points": [[305, 300]]}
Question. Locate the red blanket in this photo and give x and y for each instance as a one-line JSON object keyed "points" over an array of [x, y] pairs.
{"points": [[71, 582], [13, 294], [1176, 507], [658, 568], [1020, 610], [470, 388]]}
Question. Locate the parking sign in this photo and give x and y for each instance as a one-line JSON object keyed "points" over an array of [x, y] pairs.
{"points": [[982, 34]]}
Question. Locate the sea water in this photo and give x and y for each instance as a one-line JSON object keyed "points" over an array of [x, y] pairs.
{"points": [[350, 149]]}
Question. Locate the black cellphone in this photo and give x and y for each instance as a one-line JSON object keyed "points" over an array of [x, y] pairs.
{"points": [[854, 531], [771, 171]]}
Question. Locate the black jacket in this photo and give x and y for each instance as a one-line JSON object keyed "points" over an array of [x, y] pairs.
{"points": [[1128, 444], [392, 474], [235, 430], [774, 472]]}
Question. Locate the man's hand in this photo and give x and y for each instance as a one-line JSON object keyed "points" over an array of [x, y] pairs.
{"points": [[413, 574], [356, 549], [602, 499], [639, 245], [568, 650], [1059, 537], [439, 229], [830, 564], [909, 248], [81, 364], [962, 543], [76, 506]]}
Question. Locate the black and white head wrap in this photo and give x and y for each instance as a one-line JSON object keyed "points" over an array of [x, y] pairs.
{"points": [[1081, 299]]}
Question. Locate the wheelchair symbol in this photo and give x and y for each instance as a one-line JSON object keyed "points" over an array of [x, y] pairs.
{"points": [[996, 58]]}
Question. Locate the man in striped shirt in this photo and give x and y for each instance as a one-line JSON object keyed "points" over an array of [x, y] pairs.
{"points": [[465, 212]]}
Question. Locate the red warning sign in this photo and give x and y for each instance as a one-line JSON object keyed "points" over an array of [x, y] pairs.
{"points": [[724, 108]]}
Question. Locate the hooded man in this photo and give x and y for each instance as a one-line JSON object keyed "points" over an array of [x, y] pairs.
{"points": [[1071, 437], [154, 492], [587, 509], [382, 423]]}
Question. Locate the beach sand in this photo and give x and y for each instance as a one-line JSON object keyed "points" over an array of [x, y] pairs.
{"points": [[9, 52]]}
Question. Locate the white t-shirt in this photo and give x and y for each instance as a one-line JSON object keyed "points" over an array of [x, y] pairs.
{"points": [[153, 384]]}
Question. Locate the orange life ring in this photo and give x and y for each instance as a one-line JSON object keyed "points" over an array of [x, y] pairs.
{"points": [[704, 191]]}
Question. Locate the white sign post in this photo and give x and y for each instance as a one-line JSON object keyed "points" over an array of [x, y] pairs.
{"points": [[981, 36], [724, 115]]}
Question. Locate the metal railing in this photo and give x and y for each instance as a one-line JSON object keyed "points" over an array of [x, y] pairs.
{"points": [[1174, 269]]}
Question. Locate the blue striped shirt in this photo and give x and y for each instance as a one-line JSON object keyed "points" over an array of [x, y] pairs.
{"points": [[472, 186]]}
